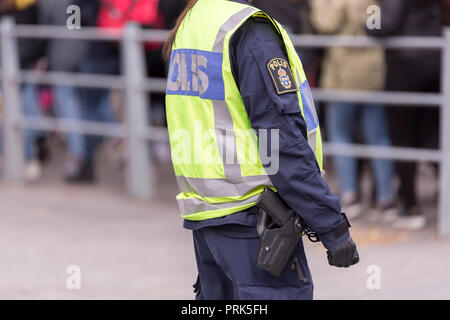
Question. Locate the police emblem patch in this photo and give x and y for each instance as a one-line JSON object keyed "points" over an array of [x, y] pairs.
{"points": [[282, 76]]}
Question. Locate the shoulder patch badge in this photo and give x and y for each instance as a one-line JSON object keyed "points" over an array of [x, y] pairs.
{"points": [[281, 75]]}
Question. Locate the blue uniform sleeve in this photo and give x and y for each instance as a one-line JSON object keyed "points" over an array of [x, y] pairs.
{"points": [[298, 179]]}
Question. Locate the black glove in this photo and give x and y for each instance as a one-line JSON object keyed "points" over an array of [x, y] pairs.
{"points": [[343, 256]]}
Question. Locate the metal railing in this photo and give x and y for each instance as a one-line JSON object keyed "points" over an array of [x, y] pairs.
{"points": [[434, 100], [136, 130]]}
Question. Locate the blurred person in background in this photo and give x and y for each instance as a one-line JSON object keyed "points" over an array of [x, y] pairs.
{"points": [[104, 58], [354, 69], [66, 55], [287, 11], [413, 71], [170, 10], [294, 15], [445, 12], [30, 53]]}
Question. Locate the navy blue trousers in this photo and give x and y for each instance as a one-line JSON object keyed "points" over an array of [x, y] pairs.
{"points": [[226, 262]]}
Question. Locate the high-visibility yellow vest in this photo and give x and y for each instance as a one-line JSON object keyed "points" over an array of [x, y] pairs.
{"points": [[215, 152]]}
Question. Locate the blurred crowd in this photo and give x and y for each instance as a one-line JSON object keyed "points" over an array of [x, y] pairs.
{"points": [[369, 69], [87, 57]]}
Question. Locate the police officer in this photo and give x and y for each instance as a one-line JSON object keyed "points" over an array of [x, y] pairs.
{"points": [[241, 119]]}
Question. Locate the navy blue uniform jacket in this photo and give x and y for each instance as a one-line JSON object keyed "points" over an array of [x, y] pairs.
{"points": [[298, 180]]}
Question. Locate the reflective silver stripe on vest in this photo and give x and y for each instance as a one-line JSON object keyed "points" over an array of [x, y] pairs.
{"points": [[229, 25], [191, 206], [232, 187], [226, 140], [312, 140], [223, 122]]}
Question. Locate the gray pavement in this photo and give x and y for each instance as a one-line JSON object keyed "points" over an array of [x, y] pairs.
{"points": [[130, 249]]}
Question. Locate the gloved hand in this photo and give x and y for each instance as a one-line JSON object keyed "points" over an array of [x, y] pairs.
{"points": [[343, 256]]}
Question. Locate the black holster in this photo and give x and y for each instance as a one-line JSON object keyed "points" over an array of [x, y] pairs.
{"points": [[279, 229]]}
